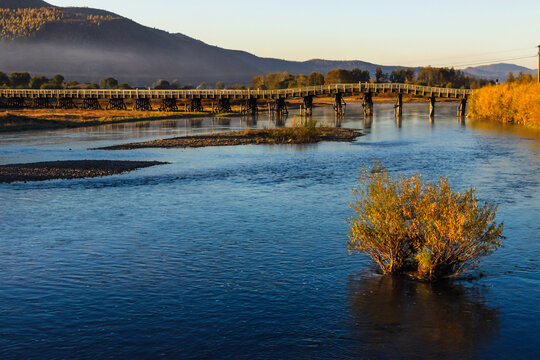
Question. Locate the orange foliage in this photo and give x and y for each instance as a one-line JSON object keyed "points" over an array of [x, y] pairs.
{"points": [[21, 23], [514, 103], [408, 225]]}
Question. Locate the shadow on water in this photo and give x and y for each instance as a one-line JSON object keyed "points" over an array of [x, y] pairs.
{"points": [[399, 317]]}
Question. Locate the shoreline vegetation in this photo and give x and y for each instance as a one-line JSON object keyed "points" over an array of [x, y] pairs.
{"points": [[512, 103], [309, 134], [74, 169]]}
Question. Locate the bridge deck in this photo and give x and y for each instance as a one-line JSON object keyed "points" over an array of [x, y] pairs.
{"points": [[328, 90]]}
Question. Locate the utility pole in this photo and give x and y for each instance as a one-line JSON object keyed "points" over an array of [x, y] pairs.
{"points": [[538, 63]]}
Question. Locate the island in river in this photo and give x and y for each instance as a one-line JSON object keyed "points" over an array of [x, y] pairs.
{"points": [[295, 135], [74, 169]]}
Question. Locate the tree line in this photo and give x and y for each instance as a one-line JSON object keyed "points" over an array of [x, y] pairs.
{"points": [[428, 76], [23, 80]]}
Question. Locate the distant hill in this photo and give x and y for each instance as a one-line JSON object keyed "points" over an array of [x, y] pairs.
{"points": [[87, 44], [497, 71]]}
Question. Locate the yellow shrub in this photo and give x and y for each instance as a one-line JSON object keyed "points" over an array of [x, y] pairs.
{"points": [[406, 225], [514, 103]]}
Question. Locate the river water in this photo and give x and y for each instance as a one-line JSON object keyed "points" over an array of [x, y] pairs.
{"points": [[240, 252]]}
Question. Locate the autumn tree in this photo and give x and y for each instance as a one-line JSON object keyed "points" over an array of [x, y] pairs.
{"points": [[380, 76], [315, 79], [337, 76], [19, 80], [109, 83], [257, 82], [58, 79], [402, 76], [37, 82], [358, 75]]}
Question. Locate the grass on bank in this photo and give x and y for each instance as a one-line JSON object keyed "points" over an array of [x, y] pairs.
{"points": [[300, 133], [511, 103], [424, 229], [36, 119]]}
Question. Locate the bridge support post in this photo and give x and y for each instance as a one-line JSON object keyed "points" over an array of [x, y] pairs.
{"points": [[339, 105], [398, 107], [142, 105], [14, 103], [224, 106], [90, 104], [168, 105], [116, 104], [250, 107], [66, 103], [368, 104], [281, 107], [432, 107], [195, 105], [41, 103], [462, 110], [308, 105]]}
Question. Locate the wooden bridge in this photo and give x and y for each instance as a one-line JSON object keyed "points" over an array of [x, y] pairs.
{"points": [[192, 99]]}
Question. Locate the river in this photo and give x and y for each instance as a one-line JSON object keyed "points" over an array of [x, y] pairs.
{"points": [[240, 252]]}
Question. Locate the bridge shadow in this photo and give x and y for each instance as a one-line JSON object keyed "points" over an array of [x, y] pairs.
{"points": [[399, 317]]}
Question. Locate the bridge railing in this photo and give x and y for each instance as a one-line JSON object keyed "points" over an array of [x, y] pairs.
{"points": [[209, 93]]}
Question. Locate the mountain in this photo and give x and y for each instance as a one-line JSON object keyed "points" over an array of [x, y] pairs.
{"points": [[16, 4], [89, 44], [497, 71]]}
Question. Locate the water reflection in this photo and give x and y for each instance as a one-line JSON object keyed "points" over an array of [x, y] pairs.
{"points": [[396, 316]]}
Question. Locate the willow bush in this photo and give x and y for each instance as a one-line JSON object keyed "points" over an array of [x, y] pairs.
{"points": [[513, 103], [425, 229]]}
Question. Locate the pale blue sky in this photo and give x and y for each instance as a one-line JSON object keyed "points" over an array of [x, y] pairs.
{"points": [[392, 32]]}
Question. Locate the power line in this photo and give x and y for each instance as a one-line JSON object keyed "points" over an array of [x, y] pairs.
{"points": [[470, 56], [494, 61]]}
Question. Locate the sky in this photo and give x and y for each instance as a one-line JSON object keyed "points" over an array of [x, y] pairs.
{"points": [[393, 32]]}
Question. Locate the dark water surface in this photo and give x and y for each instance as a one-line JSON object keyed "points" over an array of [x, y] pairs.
{"points": [[240, 252]]}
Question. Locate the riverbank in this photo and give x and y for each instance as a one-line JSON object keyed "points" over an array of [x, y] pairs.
{"points": [[295, 135], [514, 103], [75, 169], [43, 119]]}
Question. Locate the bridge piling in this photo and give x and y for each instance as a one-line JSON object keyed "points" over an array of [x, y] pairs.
{"points": [[168, 104], [462, 109], [339, 105], [90, 104], [432, 107], [224, 106], [14, 103], [368, 104], [308, 105], [116, 104], [195, 105], [398, 107], [250, 107], [142, 104], [281, 107], [66, 103], [42, 103]]}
